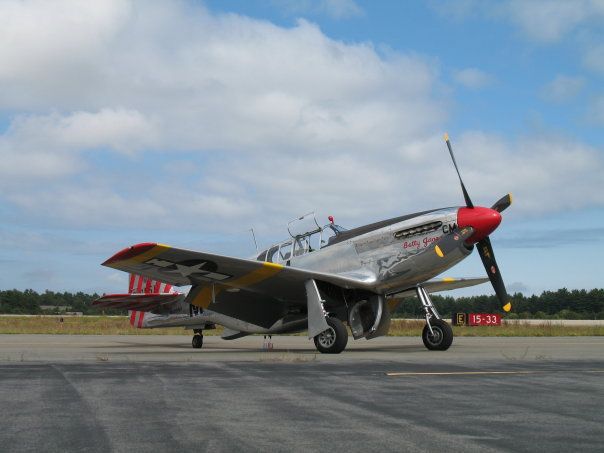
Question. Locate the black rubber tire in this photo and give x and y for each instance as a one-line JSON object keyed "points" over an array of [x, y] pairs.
{"points": [[197, 341], [443, 335], [334, 339]]}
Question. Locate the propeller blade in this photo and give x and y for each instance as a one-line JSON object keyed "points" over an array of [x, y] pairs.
{"points": [[463, 188], [485, 250], [503, 203]]}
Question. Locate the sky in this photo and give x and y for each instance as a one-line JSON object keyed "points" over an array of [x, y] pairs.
{"points": [[188, 123]]}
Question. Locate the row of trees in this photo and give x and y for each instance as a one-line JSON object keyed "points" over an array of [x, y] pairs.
{"points": [[29, 302], [562, 304]]}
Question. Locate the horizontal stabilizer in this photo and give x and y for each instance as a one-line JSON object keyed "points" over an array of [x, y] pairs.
{"points": [[138, 302]]}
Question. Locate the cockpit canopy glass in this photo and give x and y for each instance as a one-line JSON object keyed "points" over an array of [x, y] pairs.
{"points": [[329, 232], [282, 252]]}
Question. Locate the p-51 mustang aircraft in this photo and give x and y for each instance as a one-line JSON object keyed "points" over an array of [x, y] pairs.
{"points": [[317, 280]]}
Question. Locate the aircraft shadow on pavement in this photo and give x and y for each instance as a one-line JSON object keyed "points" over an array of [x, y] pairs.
{"points": [[185, 347]]}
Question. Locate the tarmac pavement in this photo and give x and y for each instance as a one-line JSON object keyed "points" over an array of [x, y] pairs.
{"points": [[155, 393]]}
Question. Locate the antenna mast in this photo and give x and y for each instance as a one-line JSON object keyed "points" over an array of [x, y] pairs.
{"points": [[254, 237]]}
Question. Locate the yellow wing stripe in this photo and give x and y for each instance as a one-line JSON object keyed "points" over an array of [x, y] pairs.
{"points": [[118, 263], [262, 273], [204, 297], [159, 248], [268, 270]]}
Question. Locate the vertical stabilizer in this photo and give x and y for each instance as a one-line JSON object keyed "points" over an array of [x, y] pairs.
{"points": [[144, 285], [137, 284], [136, 318]]}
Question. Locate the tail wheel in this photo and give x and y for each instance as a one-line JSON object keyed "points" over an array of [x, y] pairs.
{"points": [[197, 342], [441, 336], [334, 339]]}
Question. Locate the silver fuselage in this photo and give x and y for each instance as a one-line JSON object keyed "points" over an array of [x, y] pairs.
{"points": [[379, 255], [389, 256]]}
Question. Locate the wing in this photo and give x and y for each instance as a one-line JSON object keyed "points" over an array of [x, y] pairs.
{"points": [[433, 286], [138, 302], [445, 284], [255, 309], [185, 267]]}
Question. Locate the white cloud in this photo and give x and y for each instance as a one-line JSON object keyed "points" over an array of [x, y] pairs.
{"points": [[472, 78], [78, 207], [545, 174], [34, 165], [594, 58], [56, 50], [118, 279], [545, 21], [223, 81], [279, 121], [596, 110], [177, 78], [457, 9], [49, 146], [517, 287], [340, 9], [562, 88], [549, 20], [336, 9], [120, 129]]}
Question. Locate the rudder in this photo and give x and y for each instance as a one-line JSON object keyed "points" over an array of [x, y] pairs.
{"points": [[144, 285], [136, 318]]}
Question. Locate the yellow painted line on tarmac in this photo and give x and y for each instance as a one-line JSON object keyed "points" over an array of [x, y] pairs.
{"points": [[474, 373], [549, 343]]}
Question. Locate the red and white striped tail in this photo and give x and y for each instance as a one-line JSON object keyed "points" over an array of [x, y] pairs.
{"points": [[136, 318], [144, 285]]}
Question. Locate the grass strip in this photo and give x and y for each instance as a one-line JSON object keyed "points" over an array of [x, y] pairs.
{"points": [[405, 328], [103, 325]]}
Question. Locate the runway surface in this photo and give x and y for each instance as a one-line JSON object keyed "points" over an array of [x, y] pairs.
{"points": [[154, 393]]}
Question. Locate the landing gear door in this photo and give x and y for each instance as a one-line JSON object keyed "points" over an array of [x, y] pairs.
{"points": [[369, 318], [355, 320]]}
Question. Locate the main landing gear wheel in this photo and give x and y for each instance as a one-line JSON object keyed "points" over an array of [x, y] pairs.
{"points": [[197, 342], [334, 339], [441, 336]]}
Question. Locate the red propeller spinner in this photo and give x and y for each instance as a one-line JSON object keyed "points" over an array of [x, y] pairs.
{"points": [[483, 220]]}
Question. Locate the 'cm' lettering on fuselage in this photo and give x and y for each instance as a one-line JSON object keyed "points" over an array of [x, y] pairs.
{"points": [[447, 228]]}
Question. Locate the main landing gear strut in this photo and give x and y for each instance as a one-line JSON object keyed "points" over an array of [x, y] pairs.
{"points": [[437, 334], [329, 333]]}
